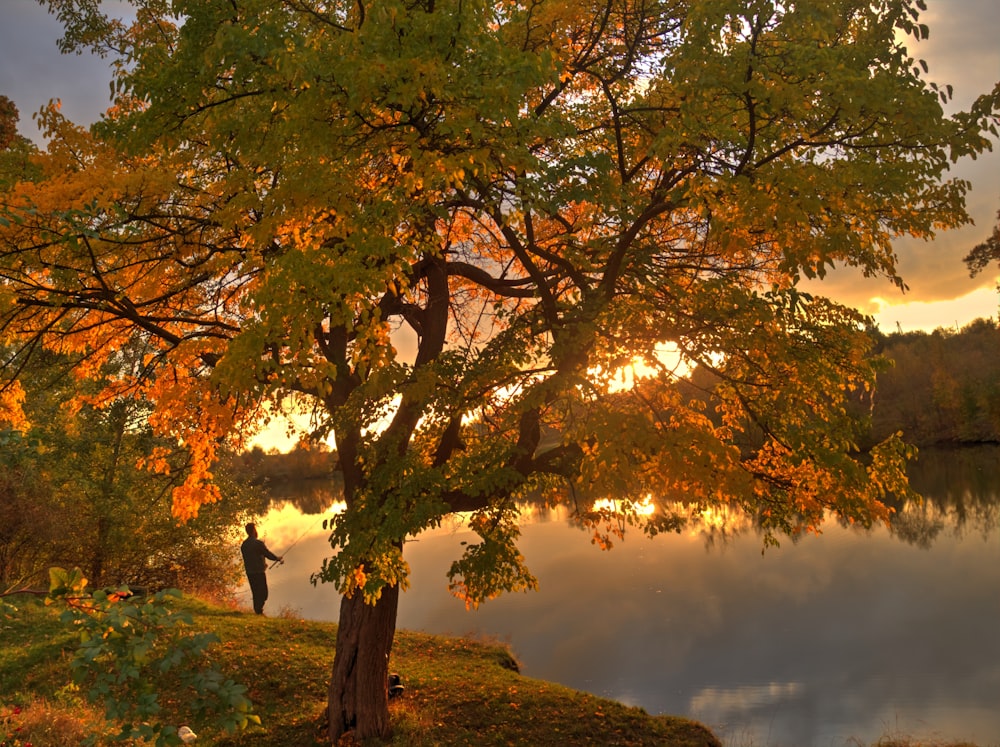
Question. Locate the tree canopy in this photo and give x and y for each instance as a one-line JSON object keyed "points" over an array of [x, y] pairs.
{"points": [[445, 229]]}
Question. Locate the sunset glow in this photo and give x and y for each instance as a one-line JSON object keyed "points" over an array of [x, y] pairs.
{"points": [[643, 507]]}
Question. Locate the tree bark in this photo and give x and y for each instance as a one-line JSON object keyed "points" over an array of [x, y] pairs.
{"points": [[358, 698]]}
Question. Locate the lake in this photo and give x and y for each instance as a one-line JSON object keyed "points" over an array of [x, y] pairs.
{"points": [[836, 639]]}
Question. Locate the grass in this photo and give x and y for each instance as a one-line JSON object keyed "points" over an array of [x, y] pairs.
{"points": [[458, 692]]}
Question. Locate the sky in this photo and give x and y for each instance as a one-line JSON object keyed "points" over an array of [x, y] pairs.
{"points": [[963, 51]]}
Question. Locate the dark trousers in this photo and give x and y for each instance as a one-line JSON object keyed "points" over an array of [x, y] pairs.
{"points": [[258, 587]]}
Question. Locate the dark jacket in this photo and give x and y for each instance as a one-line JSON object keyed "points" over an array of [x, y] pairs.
{"points": [[255, 555]]}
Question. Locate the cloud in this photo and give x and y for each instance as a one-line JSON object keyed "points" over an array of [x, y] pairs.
{"points": [[951, 313], [962, 48], [33, 72]]}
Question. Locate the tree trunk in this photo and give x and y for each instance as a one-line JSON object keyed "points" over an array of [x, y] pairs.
{"points": [[358, 696]]}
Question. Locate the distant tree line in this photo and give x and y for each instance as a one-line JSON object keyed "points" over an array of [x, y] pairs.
{"points": [[943, 387], [304, 462], [306, 476]]}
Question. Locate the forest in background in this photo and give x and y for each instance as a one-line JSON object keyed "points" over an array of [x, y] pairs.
{"points": [[943, 387]]}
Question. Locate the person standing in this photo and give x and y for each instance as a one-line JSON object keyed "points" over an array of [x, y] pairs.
{"points": [[255, 557]]}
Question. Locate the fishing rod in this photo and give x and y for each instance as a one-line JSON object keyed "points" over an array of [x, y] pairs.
{"points": [[298, 539]]}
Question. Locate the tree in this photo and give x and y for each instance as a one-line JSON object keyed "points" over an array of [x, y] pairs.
{"points": [[9, 117], [75, 494], [445, 229], [28, 532], [984, 254], [15, 150]]}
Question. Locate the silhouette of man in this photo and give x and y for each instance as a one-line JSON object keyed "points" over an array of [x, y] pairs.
{"points": [[255, 557]]}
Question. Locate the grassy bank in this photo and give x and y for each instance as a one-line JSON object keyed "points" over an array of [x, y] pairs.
{"points": [[458, 692]]}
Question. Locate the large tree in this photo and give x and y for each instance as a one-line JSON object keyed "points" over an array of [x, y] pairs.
{"points": [[446, 227]]}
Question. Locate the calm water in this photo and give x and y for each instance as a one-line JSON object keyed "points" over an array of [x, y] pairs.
{"points": [[838, 639]]}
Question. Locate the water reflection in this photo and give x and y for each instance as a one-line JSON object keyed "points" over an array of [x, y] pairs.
{"points": [[961, 487], [846, 636]]}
